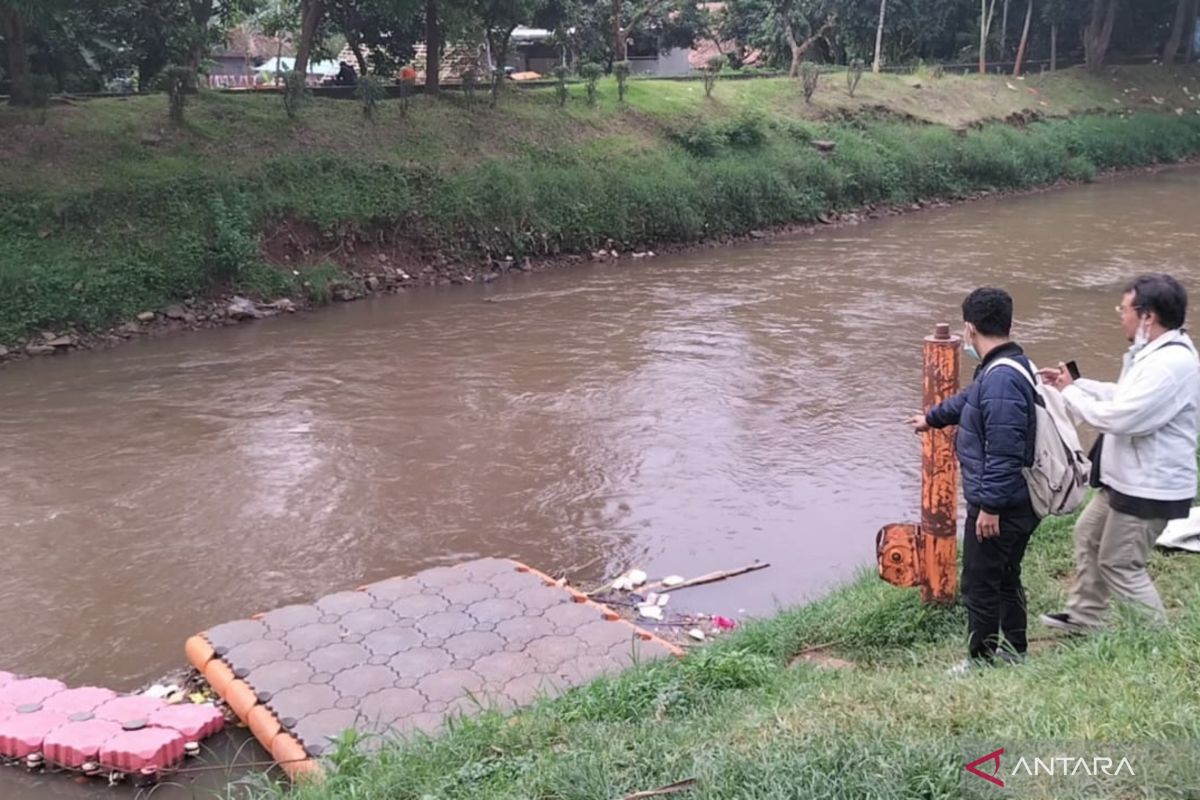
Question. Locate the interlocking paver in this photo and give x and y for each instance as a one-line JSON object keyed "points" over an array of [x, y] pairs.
{"points": [[367, 620], [334, 658], [302, 700], [343, 602], [280, 675], [310, 637], [419, 662], [363, 680], [402, 654], [523, 630], [473, 645], [318, 731], [259, 653], [445, 624], [390, 641], [495, 610], [231, 634], [448, 684], [467, 593], [290, 617]]}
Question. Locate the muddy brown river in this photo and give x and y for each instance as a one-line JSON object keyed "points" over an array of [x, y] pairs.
{"points": [[679, 414]]}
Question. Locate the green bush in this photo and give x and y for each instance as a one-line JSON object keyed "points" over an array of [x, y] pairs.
{"points": [[295, 93], [591, 74], [1080, 169], [561, 91], [370, 91], [622, 71]]}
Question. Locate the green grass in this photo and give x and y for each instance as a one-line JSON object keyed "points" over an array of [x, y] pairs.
{"points": [[745, 724], [106, 211]]}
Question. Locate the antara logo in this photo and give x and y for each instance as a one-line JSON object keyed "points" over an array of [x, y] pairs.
{"points": [[991, 758]]}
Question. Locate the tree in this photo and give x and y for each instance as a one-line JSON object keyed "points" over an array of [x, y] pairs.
{"points": [[879, 37], [312, 13], [784, 10], [499, 18], [1098, 34], [1024, 40], [380, 33], [13, 24], [1185, 18], [986, 14]]}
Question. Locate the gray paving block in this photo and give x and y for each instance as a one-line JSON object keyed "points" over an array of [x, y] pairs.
{"points": [[390, 641], [343, 602], [310, 637], [334, 658], [290, 617], [361, 681], [300, 701], [255, 654], [419, 662], [230, 634]]}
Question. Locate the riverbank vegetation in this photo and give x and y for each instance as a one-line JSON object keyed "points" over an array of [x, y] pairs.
{"points": [[844, 698], [106, 210]]}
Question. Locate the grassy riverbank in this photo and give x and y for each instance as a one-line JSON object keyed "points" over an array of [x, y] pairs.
{"points": [[746, 718], [105, 211]]}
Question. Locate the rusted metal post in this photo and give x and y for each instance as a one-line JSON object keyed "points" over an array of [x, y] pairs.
{"points": [[926, 555], [939, 472]]}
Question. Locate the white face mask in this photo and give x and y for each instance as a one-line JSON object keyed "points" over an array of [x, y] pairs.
{"points": [[1141, 336]]}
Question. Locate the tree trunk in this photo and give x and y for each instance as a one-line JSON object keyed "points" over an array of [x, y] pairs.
{"points": [[202, 12], [1191, 35], [1098, 34], [1053, 46], [799, 48], [1024, 41], [1177, 30], [985, 25], [12, 27], [433, 48], [879, 37], [619, 46], [311, 12], [356, 48], [1004, 33]]}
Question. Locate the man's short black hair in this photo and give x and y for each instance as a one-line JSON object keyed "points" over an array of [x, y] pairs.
{"points": [[989, 310], [1162, 294]]}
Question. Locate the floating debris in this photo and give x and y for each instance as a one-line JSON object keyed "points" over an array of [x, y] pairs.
{"points": [[672, 581], [696, 634]]}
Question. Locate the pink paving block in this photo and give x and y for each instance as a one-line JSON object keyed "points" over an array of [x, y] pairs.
{"points": [[195, 722], [7, 710], [6, 677], [128, 708], [74, 701], [149, 747], [73, 744], [22, 734], [29, 690]]}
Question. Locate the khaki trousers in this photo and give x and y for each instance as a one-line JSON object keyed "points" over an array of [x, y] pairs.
{"points": [[1111, 550]]}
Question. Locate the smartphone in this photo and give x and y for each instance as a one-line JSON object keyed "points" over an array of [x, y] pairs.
{"points": [[1073, 368]]}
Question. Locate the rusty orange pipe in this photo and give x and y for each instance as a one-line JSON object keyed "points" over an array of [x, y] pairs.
{"points": [[939, 473]]}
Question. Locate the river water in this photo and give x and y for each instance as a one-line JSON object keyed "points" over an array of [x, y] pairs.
{"points": [[679, 414]]}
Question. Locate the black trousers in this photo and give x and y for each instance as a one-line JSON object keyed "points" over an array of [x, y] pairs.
{"points": [[991, 582]]}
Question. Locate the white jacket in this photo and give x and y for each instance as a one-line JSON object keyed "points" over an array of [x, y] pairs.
{"points": [[1149, 419]]}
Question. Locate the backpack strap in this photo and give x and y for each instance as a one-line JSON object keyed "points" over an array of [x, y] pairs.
{"points": [[1013, 363]]}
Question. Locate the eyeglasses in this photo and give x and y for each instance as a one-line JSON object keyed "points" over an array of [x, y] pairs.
{"points": [[1122, 309]]}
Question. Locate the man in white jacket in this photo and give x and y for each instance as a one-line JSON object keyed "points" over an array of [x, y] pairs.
{"points": [[1144, 464]]}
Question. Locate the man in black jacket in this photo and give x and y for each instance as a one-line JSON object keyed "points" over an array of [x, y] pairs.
{"points": [[995, 439]]}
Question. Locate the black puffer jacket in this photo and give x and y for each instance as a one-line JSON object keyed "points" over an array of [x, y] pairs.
{"points": [[996, 426]]}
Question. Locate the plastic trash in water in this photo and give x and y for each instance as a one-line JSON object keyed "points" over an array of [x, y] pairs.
{"points": [[636, 577], [696, 634], [672, 580], [723, 623], [650, 611]]}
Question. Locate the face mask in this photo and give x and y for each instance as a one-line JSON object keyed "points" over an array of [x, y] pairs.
{"points": [[1142, 336], [969, 348]]}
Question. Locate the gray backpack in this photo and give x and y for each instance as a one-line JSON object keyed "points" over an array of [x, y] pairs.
{"points": [[1058, 477]]}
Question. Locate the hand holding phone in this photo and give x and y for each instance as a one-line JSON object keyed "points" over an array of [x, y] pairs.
{"points": [[1073, 370]]}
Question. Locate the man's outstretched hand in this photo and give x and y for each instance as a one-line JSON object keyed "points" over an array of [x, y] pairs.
{"points": [[918, 423]]}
